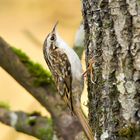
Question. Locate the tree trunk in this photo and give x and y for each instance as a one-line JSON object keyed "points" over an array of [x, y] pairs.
{"points": [[113, 41]]}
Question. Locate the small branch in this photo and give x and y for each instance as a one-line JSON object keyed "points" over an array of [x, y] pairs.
{"points": [[31, 124], [66, 125], [32, 37], [78, 49]]}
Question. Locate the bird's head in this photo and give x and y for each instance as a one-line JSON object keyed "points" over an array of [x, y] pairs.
{"points": [[51, 38]]}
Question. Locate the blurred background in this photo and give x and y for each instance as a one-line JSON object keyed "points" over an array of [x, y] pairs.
{"points": [[37, 16]]}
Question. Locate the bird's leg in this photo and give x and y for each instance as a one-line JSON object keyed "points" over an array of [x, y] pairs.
{"points": [[89, 68]]}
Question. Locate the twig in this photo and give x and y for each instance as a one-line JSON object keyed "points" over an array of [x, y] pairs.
{"points": [[31, 124]]}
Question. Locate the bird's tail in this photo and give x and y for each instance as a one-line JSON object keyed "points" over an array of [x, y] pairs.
{"points": [[84, 123]]}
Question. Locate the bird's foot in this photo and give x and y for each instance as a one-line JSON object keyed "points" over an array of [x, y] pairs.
{"points": [[89, 69]]}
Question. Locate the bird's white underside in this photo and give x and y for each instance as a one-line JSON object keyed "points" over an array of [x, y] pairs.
{"points": [[75, 62]]}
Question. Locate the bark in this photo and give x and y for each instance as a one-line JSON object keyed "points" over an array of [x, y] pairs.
{"points": [[67, 126], [112, 31]]}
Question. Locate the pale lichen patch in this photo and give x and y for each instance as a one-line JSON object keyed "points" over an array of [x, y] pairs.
{"points": [[136, 75], [55, 137], [127, 106], [121, 88], [104, 135], [132, 7], [95, 136], [107, 57], [130, 88], [126, 98], [13, 119], [120, 83], [137, 61], [120, 77]]}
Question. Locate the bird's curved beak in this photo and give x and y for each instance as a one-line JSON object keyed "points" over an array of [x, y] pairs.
{"points": [[54, 28]]}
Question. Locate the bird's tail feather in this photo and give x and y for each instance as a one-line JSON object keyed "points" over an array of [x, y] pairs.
{"points": [[78, 112], [84, 123]]}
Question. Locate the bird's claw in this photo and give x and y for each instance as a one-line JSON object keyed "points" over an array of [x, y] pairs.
{"points": [[89, 68]]}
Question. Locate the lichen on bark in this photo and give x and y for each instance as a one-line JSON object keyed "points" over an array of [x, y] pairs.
{"points": [[112, 39]]}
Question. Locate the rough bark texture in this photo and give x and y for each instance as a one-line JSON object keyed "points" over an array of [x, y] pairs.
{"points": [[66, 125], [113, 39]]}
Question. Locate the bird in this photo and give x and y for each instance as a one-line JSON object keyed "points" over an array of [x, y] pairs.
{"points": [[66, 70]]}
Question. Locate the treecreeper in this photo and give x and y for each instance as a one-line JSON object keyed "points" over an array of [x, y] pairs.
{"points": [[67, 72]]}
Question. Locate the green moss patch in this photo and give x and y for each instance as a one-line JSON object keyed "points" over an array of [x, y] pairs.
{"points": [[127, 132], [4, 105], [47, 132], [42, 77]]}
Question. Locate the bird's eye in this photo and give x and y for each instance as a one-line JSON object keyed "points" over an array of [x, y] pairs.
{"points": [[52, 37]]}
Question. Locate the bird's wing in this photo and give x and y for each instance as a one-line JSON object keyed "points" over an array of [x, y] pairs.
{"points": [[62, 74]]}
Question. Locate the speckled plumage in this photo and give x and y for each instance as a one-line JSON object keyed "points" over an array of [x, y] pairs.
{"points": [[66, 69], [60, 67]]}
